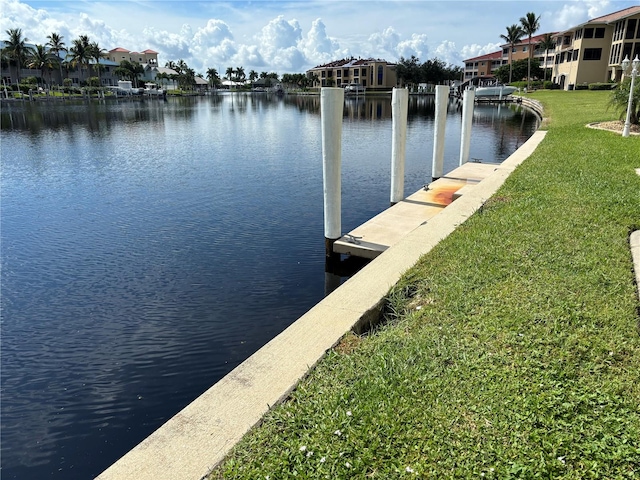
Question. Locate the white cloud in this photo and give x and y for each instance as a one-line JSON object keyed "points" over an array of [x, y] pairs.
{"points": [[389, 44], [475, 50], [416, 45], [171, 46], [318, 47], [386, 41], [577, 12]]}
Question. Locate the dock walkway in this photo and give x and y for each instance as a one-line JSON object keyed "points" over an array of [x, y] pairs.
{"points": [[388, 227]]}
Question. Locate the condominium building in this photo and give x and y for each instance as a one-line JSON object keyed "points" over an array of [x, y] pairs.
{"points": [[481, 68], [370, 73], [590, 52], [593, 51]]}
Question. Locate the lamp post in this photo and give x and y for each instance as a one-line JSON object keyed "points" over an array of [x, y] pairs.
{"points": [[634, 72]]}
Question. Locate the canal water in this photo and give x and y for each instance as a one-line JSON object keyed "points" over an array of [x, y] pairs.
{"points": [[148, 248]]}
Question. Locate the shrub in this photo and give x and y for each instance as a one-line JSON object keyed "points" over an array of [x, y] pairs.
{"points": [[582, 86], [602, 86], [620, 98]]}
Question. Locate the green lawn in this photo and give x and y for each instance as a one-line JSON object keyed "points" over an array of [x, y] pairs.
{"points": [[512, 350]]}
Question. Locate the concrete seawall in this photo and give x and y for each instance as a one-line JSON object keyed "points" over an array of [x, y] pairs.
{"points": [[198, 438]]}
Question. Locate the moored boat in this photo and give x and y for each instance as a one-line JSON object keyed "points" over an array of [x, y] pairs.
{"points": [[494, 91]]}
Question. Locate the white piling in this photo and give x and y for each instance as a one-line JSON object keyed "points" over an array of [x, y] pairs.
{"points": [[331, 108], [399, 109], [442, 100], [467, 120]]}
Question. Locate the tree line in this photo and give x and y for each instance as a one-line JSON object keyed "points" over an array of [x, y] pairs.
{"points": [[411, 72], [84, 55]]}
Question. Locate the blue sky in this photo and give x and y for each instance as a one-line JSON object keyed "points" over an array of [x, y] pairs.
{"points": [[292, 36]]}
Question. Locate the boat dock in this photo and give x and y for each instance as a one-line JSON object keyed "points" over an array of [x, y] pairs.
{"points": [[388, 227]]}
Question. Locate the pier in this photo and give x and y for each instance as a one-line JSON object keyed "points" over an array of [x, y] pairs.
{"points": [[388, 227]]}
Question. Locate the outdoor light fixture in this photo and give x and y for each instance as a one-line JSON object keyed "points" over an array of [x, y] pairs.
{"points": [[634, 72]]}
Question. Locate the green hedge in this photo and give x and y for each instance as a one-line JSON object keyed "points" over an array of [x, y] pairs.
{"points": [[602, 86]]}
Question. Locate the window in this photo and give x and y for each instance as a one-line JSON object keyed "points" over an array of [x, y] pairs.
{"points": [[599, 33], [505, 51], [578, 34], [481, 73], [380, 74], [576, 55], [592, 54], [364, 72], [356, 72], [339, 73], [631, 28], [569, 55], [524, 49], [330, 74], [346, 73], [588, 33], [324, 74]]}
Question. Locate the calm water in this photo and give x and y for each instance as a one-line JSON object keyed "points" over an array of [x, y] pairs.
{"points": [[149, 248]]}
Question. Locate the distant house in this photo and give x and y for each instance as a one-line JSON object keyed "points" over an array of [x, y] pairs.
{"points": [[370, 73], [75, 74], [147, 57]]}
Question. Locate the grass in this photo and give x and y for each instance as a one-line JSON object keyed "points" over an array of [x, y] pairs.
{"points": [[511, 350]]}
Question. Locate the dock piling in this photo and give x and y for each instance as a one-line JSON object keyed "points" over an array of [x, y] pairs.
{"points": [[467, 121], [331, 108], [442, 100], [399, 111]]}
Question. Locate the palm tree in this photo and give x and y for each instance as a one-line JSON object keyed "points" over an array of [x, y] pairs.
{"points": [[547, 43], [240, 75], [97, 54], [513, 36], [213, 77], [80, 53], [16, 49], [56, 45], [41, 59], [253, 76], [530, 25]]}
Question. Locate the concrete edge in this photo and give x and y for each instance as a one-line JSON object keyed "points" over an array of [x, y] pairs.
{"points": [[198, 438], [634, 244]]}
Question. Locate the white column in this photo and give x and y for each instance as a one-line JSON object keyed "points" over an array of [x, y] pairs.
{"points": [[442, 100], [331, 108], [467, 121], [399, 109]]}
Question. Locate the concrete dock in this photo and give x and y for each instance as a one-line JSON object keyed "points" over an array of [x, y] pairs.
{"points": [[388, 227]]}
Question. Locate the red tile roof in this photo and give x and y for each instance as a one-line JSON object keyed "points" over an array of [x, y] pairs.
{"points": [[615, 16], [488, 56], [350, 62]]}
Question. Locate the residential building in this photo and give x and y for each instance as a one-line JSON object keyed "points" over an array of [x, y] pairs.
{"points": [[373, 74], [479, 69], [592, 51], [147, 57]]}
